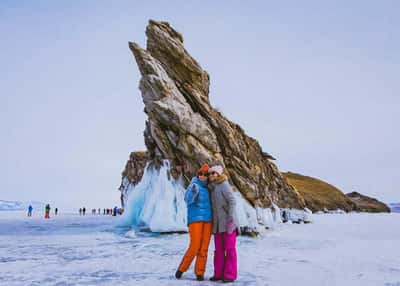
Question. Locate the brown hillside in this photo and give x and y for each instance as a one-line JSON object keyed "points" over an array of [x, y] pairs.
{"points": [[318, 194], [368, 204]]}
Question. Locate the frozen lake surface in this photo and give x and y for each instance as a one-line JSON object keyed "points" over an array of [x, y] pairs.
{"points": [[347, 249]]}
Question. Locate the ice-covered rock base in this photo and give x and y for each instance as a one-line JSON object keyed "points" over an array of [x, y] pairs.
{"points": [[157, 204]]}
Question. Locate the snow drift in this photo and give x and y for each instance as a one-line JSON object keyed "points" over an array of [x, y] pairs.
{"points": [[20, 206]]}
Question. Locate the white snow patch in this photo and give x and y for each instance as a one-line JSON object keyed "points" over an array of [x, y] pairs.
{"points": [[19, 206], [131, 234], [350, 249]]}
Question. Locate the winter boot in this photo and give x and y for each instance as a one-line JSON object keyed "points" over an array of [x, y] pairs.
{"points": [[200, 277], [178, 274], [227, 280], [214, 279]]}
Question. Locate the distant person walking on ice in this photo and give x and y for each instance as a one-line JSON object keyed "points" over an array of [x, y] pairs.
{"points": [[47, 211], [224, 226], [30, 208], [198, 203], [56, 211]]}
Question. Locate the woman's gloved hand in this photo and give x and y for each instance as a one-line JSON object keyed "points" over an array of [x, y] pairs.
{"points": [[230, 225]]}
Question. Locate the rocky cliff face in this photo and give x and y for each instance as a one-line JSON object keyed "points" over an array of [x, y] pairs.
{"points": [[133, 172], [184, 128], [134, 167], [367, 204]]}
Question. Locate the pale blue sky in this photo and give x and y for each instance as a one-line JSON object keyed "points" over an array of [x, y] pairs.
{"points": [[316, 83]]}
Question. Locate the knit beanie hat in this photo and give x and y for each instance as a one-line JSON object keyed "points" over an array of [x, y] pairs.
{"points": [[203, 169], [217, 168]]}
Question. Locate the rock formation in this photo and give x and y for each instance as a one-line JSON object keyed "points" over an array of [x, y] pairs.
{"points": [[133, 172], [184, 128], [134, 167], [367, 204]]}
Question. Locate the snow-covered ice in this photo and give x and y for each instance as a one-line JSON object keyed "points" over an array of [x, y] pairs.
{"points": [[336, 249], [19, 206]]}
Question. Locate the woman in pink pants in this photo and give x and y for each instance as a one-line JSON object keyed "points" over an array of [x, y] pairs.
{"points": [[224, 226]]}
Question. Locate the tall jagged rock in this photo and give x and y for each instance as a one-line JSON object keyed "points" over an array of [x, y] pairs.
{"points": [[184, 128]]}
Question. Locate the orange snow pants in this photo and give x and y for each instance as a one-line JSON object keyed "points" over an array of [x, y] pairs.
{"points": [[200, 234]]}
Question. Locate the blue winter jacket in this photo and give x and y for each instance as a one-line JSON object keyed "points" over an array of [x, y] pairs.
{"points": [[198, 201]]}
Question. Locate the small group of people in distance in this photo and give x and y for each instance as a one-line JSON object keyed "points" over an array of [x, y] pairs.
{"points": [[47, 209], [106, 211], [82, 211]]}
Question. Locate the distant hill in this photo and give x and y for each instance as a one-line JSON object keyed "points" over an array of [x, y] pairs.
{"points": [[19, 206], [368, 204], [395, 207], [319, 195]]}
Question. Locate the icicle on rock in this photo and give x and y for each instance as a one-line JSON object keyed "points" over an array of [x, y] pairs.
{"points": [[156, 203]]}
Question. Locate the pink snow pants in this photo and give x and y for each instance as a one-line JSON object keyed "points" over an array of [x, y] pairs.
{"points": [[225, 259]]}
